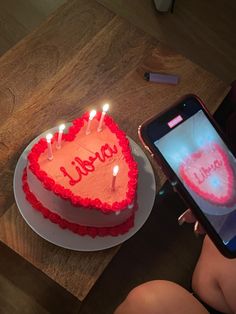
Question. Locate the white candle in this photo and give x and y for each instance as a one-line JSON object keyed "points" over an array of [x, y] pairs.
{"points": [[115, 172], [61, 129], [49, 138], [91, 116], [104, 111]]}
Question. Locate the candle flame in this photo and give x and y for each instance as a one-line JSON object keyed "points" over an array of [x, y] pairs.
{"points": [[105, 107], [115, 170], [49, 136], [92, 114], [61, 127]]}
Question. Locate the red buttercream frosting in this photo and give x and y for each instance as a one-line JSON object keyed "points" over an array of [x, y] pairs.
{"points": [[40, 166], [74, 227], [72, 172], [208, 173]]}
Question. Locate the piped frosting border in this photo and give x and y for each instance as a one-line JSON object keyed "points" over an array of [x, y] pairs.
{"points": [[74, 227], [76, 200]]}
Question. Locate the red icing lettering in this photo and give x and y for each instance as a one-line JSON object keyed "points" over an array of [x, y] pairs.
{"points": [[208, 173], [203, 173], [83, 167]]}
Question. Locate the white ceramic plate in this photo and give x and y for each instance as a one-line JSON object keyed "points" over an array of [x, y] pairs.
{"points": [[67, 239]]}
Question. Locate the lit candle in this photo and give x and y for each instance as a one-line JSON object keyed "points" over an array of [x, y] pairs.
{"points": [[61, 129], [49, 138], [91, 116], [115, 172], [104, 111]]}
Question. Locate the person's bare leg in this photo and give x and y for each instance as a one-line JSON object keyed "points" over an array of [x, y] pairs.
{"points": [[160, 297], [214, 279]]}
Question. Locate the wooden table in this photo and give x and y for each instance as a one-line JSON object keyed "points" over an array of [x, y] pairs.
{"points": [[81, 56]]}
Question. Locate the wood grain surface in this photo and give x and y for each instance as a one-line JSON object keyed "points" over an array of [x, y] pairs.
{"points": [[82, 56], [75, 271], [200, 30], [19, 18]]}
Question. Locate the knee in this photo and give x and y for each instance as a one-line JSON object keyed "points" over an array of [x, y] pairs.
{"points": [[160, 297], [147, 298], [136, 301]]}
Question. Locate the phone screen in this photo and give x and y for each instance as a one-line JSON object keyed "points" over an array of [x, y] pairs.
{"points": [[206, 167]]}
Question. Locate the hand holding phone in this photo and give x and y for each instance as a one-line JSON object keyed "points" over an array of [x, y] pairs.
{"points": [[192, 151]]}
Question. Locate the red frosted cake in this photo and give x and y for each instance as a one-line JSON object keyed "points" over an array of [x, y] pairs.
{"points": [[74, 189]]}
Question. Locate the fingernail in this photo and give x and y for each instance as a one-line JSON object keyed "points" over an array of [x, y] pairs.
{"points": [[181, 220], [196, 229]]}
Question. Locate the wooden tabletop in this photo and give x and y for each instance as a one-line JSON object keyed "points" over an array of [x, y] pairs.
{"points": [[80, 57]]}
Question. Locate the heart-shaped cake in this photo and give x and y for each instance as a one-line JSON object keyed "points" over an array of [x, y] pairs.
{"points": [[74, 189], [208, 173]]}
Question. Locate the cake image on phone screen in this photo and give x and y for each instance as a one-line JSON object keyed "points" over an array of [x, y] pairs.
{"points": [[208, 172]]}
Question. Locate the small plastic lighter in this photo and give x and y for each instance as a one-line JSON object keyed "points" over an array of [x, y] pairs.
{"points": [[161, 78]]}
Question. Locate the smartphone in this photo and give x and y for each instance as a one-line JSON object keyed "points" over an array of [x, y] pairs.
{"points": [[196, 157]]}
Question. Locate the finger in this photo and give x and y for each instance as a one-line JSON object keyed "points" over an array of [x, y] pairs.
{"points": [[198, 229], [187, 216]]}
